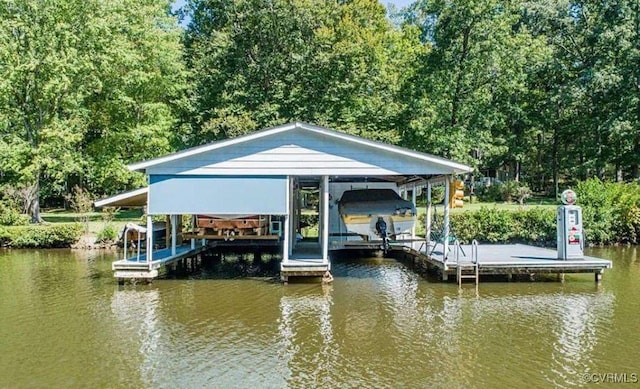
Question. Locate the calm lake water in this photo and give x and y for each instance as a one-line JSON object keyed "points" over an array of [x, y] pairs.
{"points": [[64, 322]]}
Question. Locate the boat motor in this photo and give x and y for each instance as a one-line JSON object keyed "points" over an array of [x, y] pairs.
{"points": [[381, 228]]}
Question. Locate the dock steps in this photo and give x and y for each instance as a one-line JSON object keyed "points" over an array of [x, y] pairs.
{"points": [[138, 267], [467, 270]]}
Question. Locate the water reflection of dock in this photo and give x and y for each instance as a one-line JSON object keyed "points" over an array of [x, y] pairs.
{"points": [[356, 331], [307, 316]]}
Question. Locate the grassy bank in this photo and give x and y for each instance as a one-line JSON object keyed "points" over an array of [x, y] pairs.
{"points": [[93, 222]]}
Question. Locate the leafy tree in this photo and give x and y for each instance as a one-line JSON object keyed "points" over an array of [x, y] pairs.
{"points": [[133, 114], [45, 77], [547, 89], [587, 90], [261, 62], [82, 203], [473, 80], [87, 86]]}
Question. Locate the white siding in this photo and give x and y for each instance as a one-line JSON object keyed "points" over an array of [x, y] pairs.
{"points": [[298, 152]]}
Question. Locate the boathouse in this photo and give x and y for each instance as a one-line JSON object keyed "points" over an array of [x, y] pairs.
{"points": [[262, 174], [265, 176]]}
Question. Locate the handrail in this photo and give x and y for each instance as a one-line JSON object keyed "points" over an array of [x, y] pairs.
{"points": [[474, 251], [474, 263], [141, 230]]}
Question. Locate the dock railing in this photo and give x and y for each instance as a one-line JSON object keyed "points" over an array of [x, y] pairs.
{"points": [[140, 230], [457, 249], [474, 251]]}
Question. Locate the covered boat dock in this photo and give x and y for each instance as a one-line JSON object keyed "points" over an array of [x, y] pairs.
{"points": [[265, 173], [268, 173]]}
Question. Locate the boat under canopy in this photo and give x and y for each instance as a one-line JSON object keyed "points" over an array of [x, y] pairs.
{"points": [[364, 211]]}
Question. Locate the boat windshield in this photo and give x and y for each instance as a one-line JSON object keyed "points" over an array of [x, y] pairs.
{"points": [[369, 195]]}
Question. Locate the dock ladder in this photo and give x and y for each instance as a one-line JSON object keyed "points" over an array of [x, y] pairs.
{"points": [[467, 269]]}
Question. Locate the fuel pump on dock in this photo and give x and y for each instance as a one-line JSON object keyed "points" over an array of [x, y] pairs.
{"points": [[570, 234]]}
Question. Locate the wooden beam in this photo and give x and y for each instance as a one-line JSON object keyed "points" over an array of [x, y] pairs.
{"points": [[195, 235]]}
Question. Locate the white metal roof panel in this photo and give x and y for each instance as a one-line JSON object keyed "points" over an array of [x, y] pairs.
{"points": [[300, 148]]}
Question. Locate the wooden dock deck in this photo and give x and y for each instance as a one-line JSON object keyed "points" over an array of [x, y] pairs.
{"points": [[492, 259], [306, 261], [134, 267], [508, 259]]}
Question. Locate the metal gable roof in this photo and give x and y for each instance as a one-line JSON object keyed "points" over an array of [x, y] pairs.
{"points": [[134, 198], [445, 163]]}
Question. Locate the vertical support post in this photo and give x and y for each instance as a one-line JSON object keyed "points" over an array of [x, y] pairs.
{"points": [[285, 238], [413, 200], [427, 218], [293, 216], [325, 219], [149, 238], [174, 229], [193, 231], [168, 224], [126, 249], [446, 220], [320, 211]]}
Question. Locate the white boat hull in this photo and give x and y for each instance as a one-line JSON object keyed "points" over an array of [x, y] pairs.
{"points": [[361, 209], [366, 225]]}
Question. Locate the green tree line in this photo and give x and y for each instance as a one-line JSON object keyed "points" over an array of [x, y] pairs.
{"points": [[548, 90]]}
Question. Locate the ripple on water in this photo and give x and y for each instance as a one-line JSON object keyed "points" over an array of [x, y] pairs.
{"points": [[379, 324]]}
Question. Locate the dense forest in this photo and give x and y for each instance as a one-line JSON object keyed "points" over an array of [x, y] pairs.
{"points": [[546, 90]]}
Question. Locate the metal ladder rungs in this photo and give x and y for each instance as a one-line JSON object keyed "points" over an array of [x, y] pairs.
{"points": [[473, 266]]}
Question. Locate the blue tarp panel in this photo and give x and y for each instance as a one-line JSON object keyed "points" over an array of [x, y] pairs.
{"points": [[217, 195]]}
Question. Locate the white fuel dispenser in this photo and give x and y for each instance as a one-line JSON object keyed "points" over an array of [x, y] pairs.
{"points": [[570, 235]]}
